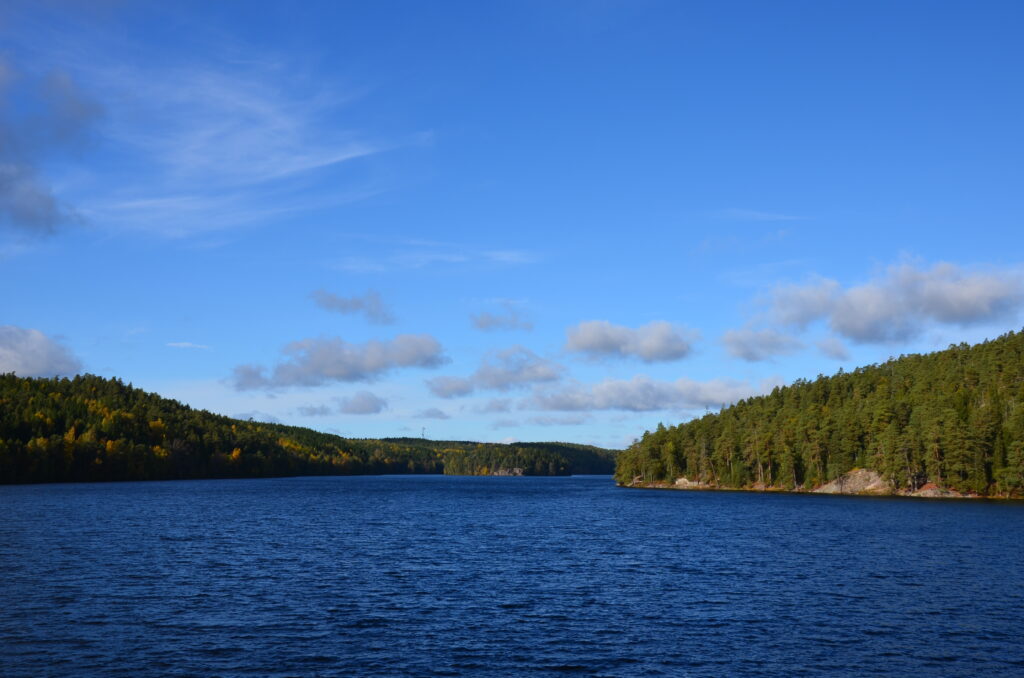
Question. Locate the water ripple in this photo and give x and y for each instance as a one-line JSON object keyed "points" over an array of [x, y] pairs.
{"points": [[439, 576]]}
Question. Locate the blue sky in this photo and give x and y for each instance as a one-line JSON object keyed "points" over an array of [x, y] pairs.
{"points": [[503, 221]]}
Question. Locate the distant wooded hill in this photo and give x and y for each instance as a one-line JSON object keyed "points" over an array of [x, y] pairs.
{"points": [[91, 429], [954, 418]]}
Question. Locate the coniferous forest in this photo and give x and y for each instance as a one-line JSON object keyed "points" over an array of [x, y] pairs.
{"points": [[954, 418], [93, 429]]}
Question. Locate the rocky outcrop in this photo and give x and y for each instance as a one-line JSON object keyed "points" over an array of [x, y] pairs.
{"points": [[687, 484], [857, 481], [934, 491], [507, 472]]}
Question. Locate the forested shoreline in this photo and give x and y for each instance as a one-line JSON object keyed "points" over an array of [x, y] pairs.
{"points": [[950, 419], [89, 428]]}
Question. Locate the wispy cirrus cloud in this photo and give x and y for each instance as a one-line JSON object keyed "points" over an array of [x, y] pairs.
{"points": [[192, 213], [496, 405], [430, 256], [736, 214], [369, 304], [565, 420], [235, 124], [187, 344], [235, 137], [511, 256], [510, 318]]}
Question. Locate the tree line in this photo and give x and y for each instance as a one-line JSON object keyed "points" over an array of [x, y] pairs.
{"points": [[954, 418], [89, 428]]}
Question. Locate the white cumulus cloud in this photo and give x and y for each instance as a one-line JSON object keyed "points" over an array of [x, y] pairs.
{"points": [[903, 302], [516, 366], [655, 342], [643, 394], [313, 362], [501, 371], [450, 387], [756, 345], [363, 402], [800, 305], [30, 353]]}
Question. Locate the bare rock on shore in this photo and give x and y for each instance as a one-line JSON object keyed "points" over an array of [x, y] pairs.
{"points": [[933, 490], [687, 484], [857, 481]]}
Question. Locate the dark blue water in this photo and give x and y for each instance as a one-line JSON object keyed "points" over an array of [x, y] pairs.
{"points": [[454, 576]]}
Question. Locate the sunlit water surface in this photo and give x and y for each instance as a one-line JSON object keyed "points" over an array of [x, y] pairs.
{"points": [[455, 576]]}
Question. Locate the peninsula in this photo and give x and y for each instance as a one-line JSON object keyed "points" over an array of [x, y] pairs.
{"points": [[949, 423]]}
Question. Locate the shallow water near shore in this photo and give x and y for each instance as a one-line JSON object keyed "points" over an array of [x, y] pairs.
{"points": [[461, 576]]}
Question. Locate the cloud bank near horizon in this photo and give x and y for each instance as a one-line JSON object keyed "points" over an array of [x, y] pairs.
{"points": [[643, 394]]}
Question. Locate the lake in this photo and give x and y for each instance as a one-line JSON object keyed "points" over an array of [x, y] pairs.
{"points": [[471, 576]]}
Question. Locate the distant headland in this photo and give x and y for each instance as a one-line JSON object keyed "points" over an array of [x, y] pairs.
{"points": [[89, 428]]}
